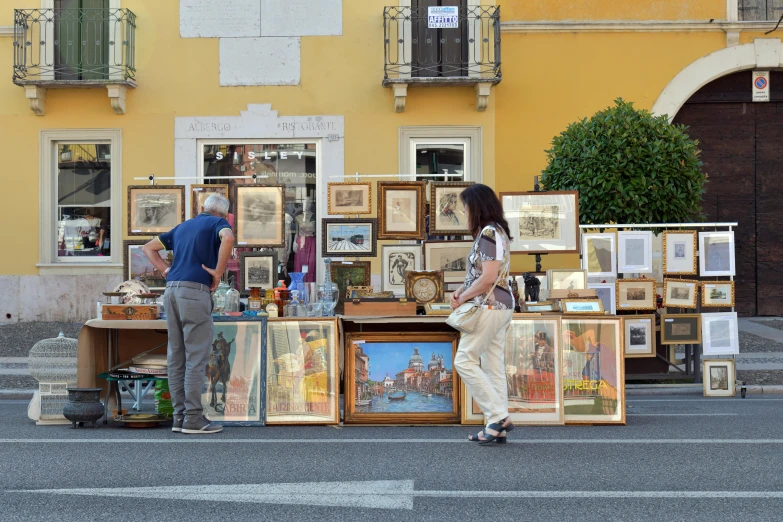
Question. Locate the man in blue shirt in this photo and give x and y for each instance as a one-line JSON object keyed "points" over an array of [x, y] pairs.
{"points": [[202, 246]]}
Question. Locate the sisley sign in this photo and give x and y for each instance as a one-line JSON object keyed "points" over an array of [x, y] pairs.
{"points": [[442, 17]]}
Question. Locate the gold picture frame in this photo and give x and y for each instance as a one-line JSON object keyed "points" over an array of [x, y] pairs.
{"points": [[635, 294], [424, 286], [447, 213], [539, 307], [437, 308], [674, 331], [350, 197], [199, 192], [155, 209], [401, 210], [348, 274], [679, 252], [639, 329], [673, 296], [710, 290], [719, 377], [582, 306]]}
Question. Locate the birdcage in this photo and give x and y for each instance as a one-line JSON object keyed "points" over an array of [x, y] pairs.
{"points": [[52, 363]]}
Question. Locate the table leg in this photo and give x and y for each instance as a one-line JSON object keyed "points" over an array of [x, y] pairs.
{"points": [[119, 397], [109, 337]]}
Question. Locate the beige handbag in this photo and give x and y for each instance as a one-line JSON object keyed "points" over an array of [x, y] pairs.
{"points": [[466, 316]]}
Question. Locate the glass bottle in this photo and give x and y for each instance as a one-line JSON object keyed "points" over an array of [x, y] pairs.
{"points": [[232, 300], [329, 291], [254, 302], [219, 298]]}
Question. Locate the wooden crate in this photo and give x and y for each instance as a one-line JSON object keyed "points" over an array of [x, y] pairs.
{"points": [[138, 312], [379, 307]]}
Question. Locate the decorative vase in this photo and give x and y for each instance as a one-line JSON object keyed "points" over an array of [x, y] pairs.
{"points": [[328, 291], [83, 405], [297, 283]]}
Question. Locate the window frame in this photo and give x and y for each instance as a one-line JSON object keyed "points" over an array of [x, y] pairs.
{"points": [[468, 137]]}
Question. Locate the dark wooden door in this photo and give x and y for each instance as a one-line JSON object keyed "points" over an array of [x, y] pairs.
{"points": [[439, 52]]}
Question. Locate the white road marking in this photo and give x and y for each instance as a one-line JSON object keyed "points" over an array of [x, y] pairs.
{"points": [[180, 439], [682, 414]]}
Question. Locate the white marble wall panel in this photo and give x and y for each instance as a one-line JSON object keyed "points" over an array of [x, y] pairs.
{"points": [[9, 299], [259, 61], [301, 18], [62, 298], [220, 19]]}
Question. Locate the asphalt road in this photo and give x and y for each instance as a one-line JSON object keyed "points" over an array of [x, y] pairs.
{"points": [[679, 458]]}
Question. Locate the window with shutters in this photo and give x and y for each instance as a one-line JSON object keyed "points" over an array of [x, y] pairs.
{"points": [[760, 10]]}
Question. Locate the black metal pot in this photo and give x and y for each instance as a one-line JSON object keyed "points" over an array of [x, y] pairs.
{"points": [[84, 405]]}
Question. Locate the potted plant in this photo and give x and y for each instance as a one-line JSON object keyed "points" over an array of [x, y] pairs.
{"points": [[65, 153]]}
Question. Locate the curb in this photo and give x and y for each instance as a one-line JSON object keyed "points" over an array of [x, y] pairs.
{"points": [[16, 395], [696, 389]]}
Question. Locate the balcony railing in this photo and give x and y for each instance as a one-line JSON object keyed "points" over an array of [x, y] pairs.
{"points": [[82, 46], [462, 48]]}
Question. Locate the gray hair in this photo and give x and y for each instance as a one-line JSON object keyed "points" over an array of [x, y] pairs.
{"points": [[216, 204]]}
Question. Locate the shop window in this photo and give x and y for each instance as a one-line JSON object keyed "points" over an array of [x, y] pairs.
{"points": [[760, 10]]}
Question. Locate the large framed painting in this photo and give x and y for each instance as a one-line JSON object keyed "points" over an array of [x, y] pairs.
{"points": [[715, 294], [719, 377], [542, 222], [636, 294], [401, 378], [303, 374], [681, 329], [199, 194], [720, 333], [155, 209], [450, 257], [345, 274], [635, 252], [396, 260], [260, 218], [401, 210], [447, 213], [258, 269], [137, 266], [639, 335], [349, 198], [716, 256], [233, 393], [593, 370], [679, 252], [342, 237], [599, 254]]}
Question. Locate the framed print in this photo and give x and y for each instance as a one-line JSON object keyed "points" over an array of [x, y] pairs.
{"points": [[716, 253], [358, 292], [437, 308], [607, 293], [401, 210], [539, 307], [543, 286], [395, 261], [199, 194], [719, 377], [155, 209], [303, 374], [593, 370], [582, 306], [349, 198], [450, 257], [447, 213], [345, 274], [424, 287], [599, 254], [260, 216], [636, 294], [137, 266], [542, 222], [680, 293], [639, 335], [471, 413], [258, 270], [233, 393], [679, 252], [401, 378], [635, 252], [343, 237], [680, 329], [719, 333], [567, 279], [717, 293]]}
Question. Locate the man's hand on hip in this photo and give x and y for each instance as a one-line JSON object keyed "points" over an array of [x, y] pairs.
{"points": [[215, 277]]}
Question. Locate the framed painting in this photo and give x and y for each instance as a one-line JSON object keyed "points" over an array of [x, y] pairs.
{"points": [[349, 198], [396, 260], [347, 273], [401, 210], [424, 287], [136, 265], [450, 257], [259, 218], [233, 392], [567, 279], [679, 252], [401, 378], [258, 269], [155, 209], [539, 307], [680, 293], [716, 254], [447, 213], [720, 333], [681, 329], [542, 222], [639, 335], [635, 252], [599, 254], [343, 237], [717, 294], [582, 306], [607, 293], [199, 194], [719, 377], [303, 373], [636, 294], [593, 370]]}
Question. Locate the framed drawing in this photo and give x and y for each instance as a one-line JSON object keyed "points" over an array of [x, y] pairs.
{"points": [[582, 306], [593, 370], [347, 274], [395, 261], [447, 213], [680, 293], [155, 209], [343, 237], [635, 252], [401, 378], [606, 292], [450, 257], [135, 265], [567, 279], [424, 287], [719, 377], [539, 307], [401, 210], [717, 293], [680, 329], [639, 335], [636, 294], [679, 252], [303, 374], [259, 216], [599, 254], [542, 222], [199, 194], [234, 388], [719, 333], [258, 270], [716, 254], [349, 198]]}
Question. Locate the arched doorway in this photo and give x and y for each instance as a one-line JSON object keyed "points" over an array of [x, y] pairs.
{"points": [[742, 151]]}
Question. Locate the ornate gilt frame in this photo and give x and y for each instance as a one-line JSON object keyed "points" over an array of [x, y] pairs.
{"points": [[650, 282], [419, 187], [411, 277], [705, 364], [704, 302], [565, 302], [434, 231], [695, 300], [693, 253], [368, 208], [222, 190]]}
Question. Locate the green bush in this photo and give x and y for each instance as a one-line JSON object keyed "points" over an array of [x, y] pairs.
{"points": [[629, 167]]}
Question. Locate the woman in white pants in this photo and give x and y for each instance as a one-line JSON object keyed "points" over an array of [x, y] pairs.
{"points": [[480, 359]]}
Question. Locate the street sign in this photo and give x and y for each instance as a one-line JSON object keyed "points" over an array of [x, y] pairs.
{"points": [[760, 86], [442, 17]]}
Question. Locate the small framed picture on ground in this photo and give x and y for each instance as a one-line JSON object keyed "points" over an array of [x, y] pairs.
{"points": [[681, 329], [716, 294], [639, 335], [719, 377]]}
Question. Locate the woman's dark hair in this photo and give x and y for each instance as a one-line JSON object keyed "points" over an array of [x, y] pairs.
{"points": [[483, 208]]}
